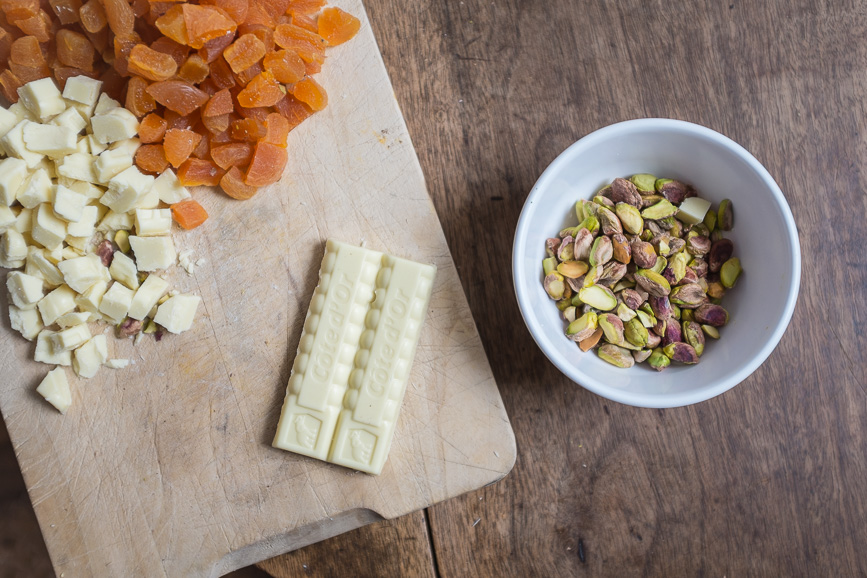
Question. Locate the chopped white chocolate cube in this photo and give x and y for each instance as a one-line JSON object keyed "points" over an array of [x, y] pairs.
{"points": [[54, 255], [48, 230], [55, 389], [50, 140], [37, 190], [71, 119], [7, 218], [71, 252], [82, 89], [27, 322], [78, 166], [13, 142], [178, 312], [105, 104], [81, 273], [85, 226], [114, 125], [24, 221], [13, 171], [87, 359], [116, 222], [26, 290], [123, 269], [7, 121], [129, 146], [116, 301], [111, 163], [13, 248], [42, 98], [21, 113], [153, 253], [82, 147], [169, 188], [96, 147], [45, 350], [150, 200], [68, 204], [37, 261], [91, 299], [89, 190], [692, 210], [153, 222], [147, 296], [70, 338], [56, 304], [72, 319], [126, 189]]}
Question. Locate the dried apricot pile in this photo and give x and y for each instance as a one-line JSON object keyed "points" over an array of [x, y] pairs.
{"points": [[217, 85]]}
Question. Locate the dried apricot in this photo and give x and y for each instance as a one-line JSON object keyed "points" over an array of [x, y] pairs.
{"points": [[236, 9], [26, 52], [245, 76], [213, 48], [267, 164], [152, 129], [221, 74], [278, 129], [5, 45], [216, 124], [9, 85], [203, 149], [233, 185], [151, 64], [205, 23], [16, 10], [309, 45], [178, 95], [138, 101], [151, 158], [219, 104], [92, 16], [311, 93], [304, 21], [166, 45], [195, 69], [29, 73], [179, 144], [232, 154], [172, 24], [248, 129], [258, 15], [120, 17], [74, 49], [189, 214], [244, 52], [38, 26], [122, 48], [285, 65], [263, 90], [175, 120], [305, 6], [195, 172], [337, 26], [293, 110], [66, 10], [64, 73]]}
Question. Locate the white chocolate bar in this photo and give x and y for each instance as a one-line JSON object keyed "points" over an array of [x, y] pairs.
{"points": [[354, 357]]}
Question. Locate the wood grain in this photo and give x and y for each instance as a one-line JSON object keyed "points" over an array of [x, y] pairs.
{"points": [[166, 468], [767, 479]]}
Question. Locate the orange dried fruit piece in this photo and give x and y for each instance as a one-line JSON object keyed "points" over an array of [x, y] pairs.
{"points": [[203, 149], [257, 15], [179, 144], [9, 85], [176, 120], [305, 6], [221, 74], [213, 48], [138, 101], [26, 52], [100, 42], [219, 104], [293, 110], [285, 65], [205, 23], [29, 73], [66, 10], [263, 90], [5, 45], [178, 95], [247, 129], [92, 16], [151, 158], [232, 154], [75, 50], [64, 73], [267, 164], [196, 172], [310, 93], [166, 45], [151, 64], [189, 214], [236, 9], [277, 129], [152, 129], [195, 69], [122, 48], [120, 17], [172, 24], [15, 10], [245, 76], [309, 45], [233, 185], [304, 21], [216, 124], [244, 52], [38, 26], [337, 26]]}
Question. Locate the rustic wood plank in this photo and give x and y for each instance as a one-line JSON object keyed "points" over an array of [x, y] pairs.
{"points": [[767, 479], [399, 547]]}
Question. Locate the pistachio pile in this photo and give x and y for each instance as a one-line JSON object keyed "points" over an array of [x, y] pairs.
{"points": [[642, 276]]}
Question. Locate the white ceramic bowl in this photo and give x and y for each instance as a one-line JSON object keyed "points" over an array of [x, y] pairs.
{"points": [[766, 241]]}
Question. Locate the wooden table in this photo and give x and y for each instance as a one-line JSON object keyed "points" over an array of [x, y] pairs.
{"points": [[767, 479]]}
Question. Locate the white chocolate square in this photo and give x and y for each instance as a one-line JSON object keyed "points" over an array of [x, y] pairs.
{"points": [[78, 166], [169, 188], [42, 98], [153, 222], [114, 125], [36, 261], [27, 322], [116, 222], [85, 226], [55, 389], [49, 139], [123, 270], [25, 290], [116, 301], [71, 119], [13, 247], [48, 230], [70, 338], [111, 163], [68, 204], [7, 218], [126, 189], [13, 143], [145, 299], [178, 312], [153, 253], [83, 90], [80, 273], [87, 359], [105, 104], [129, 146], [36, 190], [45, 350], [56, 304], [72, 319], [91, 299], [13, 171]]}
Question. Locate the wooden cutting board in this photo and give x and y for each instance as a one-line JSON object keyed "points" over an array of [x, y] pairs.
{"points": [[166, 467]]}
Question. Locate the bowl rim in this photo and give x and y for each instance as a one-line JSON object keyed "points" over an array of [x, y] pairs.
{"points": [[668, 400]]}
